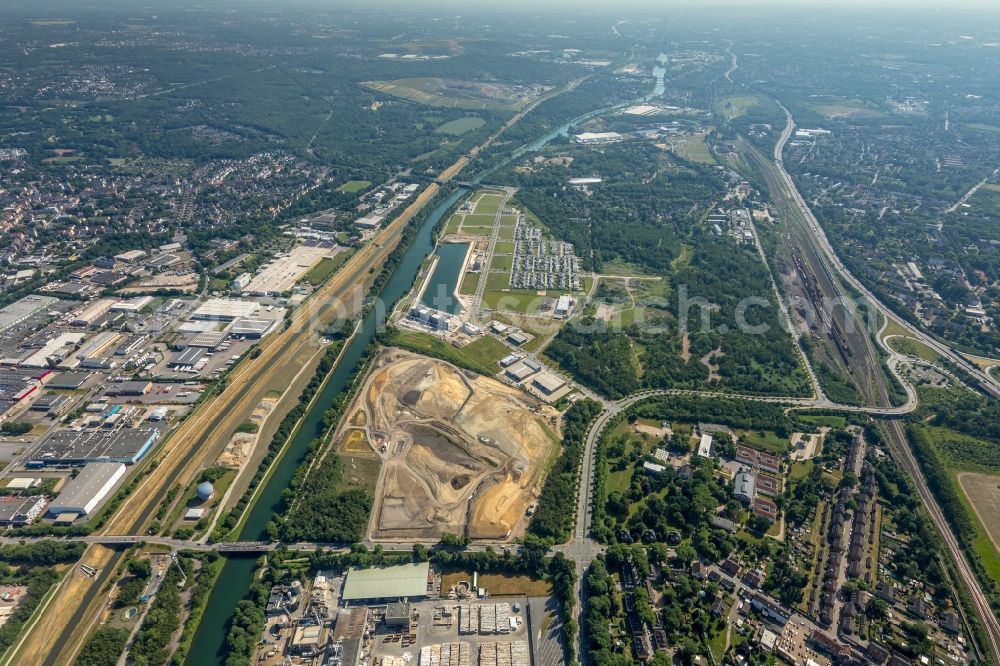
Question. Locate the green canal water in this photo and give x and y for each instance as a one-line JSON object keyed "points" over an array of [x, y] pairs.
{"points": [[209, 645], [444, 281], [234, 581]]}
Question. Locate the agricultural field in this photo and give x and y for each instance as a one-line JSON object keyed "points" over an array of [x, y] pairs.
{"points": [[983, 493]]}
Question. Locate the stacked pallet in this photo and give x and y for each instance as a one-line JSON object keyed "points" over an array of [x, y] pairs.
{"points": [[454, 654], [468, 619], [503, 618], [519, 653], [488, 619], [389, 661], [444, 654], [503, 654], [488, 654], [514, 653], [430, 655]]}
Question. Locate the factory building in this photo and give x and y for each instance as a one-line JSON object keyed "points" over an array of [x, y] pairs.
{"points": [[23, 309], [93, 311], [130, 388], [563, 305], [252, 327], [548, 383], [517, 338], [18, 511], [438, 321], [132, 305], [705, 446], [597, 138], [54, 351], [520, 371], [52, 404], [106, 444], [241, 281], [162, 262], [82, 495], [131, 256], [224, 309], [68, 380], [405, 581], [208, 339], [186, 358]]}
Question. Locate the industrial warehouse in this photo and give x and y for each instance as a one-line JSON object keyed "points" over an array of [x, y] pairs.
{"points": [[85, 492], [117, 444]]}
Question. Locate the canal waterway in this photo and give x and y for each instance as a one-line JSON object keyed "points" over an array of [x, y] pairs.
{"points": [[209, 645]]}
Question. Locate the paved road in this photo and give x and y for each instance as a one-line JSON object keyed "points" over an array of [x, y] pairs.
{"points": [[986, 381], [898, 442]]}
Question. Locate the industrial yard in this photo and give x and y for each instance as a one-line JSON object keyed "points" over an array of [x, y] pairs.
{"points": [[408, 614], [461, 453]]}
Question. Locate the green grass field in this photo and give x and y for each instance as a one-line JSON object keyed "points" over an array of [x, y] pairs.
{"points": [[800, 470], [733, 107], [831, 421], [460, 126], [326, 267], [502, 263], [503, 247], [354, 186], [479, 220], [436, 92], [695, 150], [914, 348], [476, 230], [854, 109], [469, 283], [488, 205], [764, 440], [454, 225], [360, 473], [480, 355]]}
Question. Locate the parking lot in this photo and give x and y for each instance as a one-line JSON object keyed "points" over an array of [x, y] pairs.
{"points": [[440, 621]]}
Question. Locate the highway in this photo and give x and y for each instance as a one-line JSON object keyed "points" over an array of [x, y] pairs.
{"points": [[986, 381], [898, 443]]}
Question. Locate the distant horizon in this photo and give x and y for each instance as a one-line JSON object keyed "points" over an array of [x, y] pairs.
{"points": [[589, 5]]}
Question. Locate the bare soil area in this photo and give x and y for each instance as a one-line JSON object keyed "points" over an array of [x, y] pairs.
{"points": [[461, 453]]}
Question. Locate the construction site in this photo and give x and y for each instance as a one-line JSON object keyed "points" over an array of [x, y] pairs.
{"points": [[461, 453]]}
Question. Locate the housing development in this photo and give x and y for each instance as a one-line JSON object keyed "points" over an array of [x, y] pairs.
{"points": [[517, 336]]}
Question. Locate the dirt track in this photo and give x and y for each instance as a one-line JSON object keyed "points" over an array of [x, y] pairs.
{"points": [[461, 453]]}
